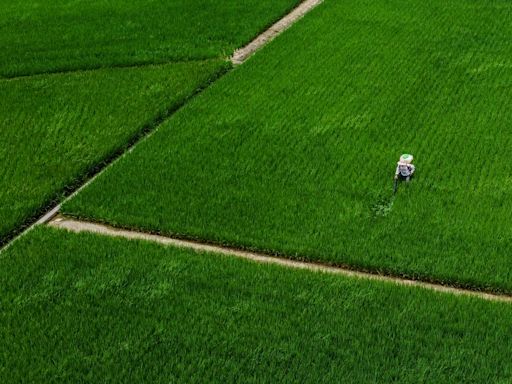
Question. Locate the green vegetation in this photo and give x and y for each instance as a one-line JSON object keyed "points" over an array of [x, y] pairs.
{"points": [[82, 308], [294, 152], [62, 35], [58, 129]]}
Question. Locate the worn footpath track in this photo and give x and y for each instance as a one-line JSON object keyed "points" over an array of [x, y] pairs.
{"points": [[280, 26], [239, 56], [78, 226]]}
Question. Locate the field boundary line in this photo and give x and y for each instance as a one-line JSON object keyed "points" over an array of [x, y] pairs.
{"points": [[242, 54], [78, 226], [99, 168], [63, 72]]}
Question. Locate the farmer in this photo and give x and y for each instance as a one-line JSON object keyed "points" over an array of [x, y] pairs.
{"points": [[404, 168]]}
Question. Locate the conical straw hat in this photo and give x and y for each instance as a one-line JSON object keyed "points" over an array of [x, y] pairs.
{"points": [[406, 158]]}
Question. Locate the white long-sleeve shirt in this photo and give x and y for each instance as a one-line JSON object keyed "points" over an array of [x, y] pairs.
{"points": [[404, 169]]}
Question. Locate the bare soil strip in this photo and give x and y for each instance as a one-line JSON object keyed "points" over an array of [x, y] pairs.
{"points": [[83, 226], [244, 53]]}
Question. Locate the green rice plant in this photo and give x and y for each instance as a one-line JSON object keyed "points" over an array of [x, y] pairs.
{"points": [[84, 308], [294, 152], [60, 35], [56, 130]]}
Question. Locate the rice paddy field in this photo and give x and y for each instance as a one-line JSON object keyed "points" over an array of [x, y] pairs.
{"points": [[291, 153], [58, 129], [63, 35], [294, 152], [83, 308]]}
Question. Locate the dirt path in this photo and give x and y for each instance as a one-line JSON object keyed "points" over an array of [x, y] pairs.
{"points": [[82, 226], [286, 22]]}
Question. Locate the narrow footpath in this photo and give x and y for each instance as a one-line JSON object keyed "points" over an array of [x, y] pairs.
{"points": [[84, 226]]}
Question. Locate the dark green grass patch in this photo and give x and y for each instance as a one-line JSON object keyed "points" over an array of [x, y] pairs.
{"points": [[82, 308], [295, 151], [59, 35], [56, 130]]}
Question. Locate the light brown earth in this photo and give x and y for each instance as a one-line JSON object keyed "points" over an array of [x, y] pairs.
{"points": [[244, 53], [83, 226]]}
